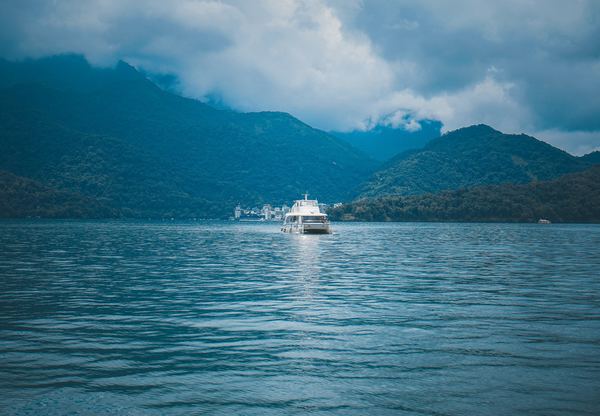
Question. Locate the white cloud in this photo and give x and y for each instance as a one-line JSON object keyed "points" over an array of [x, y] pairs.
{"points": [[481, 102], [397, 119]]}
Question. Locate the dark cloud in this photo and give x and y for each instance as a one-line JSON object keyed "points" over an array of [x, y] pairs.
{"points": [[548, 51]]}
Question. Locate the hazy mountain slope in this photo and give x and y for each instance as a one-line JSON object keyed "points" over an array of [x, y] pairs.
{"points": [[384, 142], [571, 198], [154, 153], [471, 156]]}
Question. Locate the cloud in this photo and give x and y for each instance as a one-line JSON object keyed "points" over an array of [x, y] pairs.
{"points": [[264, 55], [576, 142], [520, 66]]}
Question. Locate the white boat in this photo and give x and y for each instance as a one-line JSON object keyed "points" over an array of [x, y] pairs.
{"points": [[543, 221], [305, 217]]}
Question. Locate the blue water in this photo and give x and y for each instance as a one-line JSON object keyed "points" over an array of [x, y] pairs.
{"points": [[137, 318]]}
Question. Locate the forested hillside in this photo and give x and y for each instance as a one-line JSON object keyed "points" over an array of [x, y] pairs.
{"points": [[571, 198], [471, 156], [22, 198], [114, 136]]}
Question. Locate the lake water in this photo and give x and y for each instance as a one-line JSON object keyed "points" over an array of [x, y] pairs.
{"points": [[216, 318]]}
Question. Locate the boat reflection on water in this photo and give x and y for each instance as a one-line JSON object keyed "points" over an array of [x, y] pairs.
{"points": [[307, 258]]}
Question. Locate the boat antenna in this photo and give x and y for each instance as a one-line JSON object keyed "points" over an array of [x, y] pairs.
{"points": [[306, 196]]}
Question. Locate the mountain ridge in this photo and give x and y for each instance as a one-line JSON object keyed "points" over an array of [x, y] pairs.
{"points": [[470, 156]]}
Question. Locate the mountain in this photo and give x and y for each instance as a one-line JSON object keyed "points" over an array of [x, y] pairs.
{"points": [[22, 197], [471, 156], [114, 136], [571, 198], [592, 158], [384, 142]]}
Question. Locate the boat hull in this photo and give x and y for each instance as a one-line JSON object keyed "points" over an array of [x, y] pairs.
{"points": [[320, 231], [307, 229]]}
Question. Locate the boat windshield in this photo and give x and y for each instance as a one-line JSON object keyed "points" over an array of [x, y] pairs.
{"points": [[314, 218]]}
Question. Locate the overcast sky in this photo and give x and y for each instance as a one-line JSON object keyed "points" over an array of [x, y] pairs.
{"points": [[518, 65]]}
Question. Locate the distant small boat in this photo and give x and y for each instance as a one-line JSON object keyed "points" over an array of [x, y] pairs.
{"points": [[544, 221], [305, 217]]}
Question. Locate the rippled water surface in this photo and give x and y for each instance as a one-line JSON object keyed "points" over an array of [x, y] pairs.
{"points": [[220, 318]]}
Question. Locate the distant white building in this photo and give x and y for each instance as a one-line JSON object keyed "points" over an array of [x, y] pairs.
{"points": [[267, 211]]}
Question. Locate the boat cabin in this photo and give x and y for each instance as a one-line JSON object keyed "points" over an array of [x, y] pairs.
{"points": [[306, 217]]}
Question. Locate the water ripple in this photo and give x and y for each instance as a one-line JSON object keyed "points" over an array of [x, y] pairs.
{"points": [[223, 318]]}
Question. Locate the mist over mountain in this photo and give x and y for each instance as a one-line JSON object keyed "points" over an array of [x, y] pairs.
{"points": [[112, 135], [471, 156], [383, 142]]}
